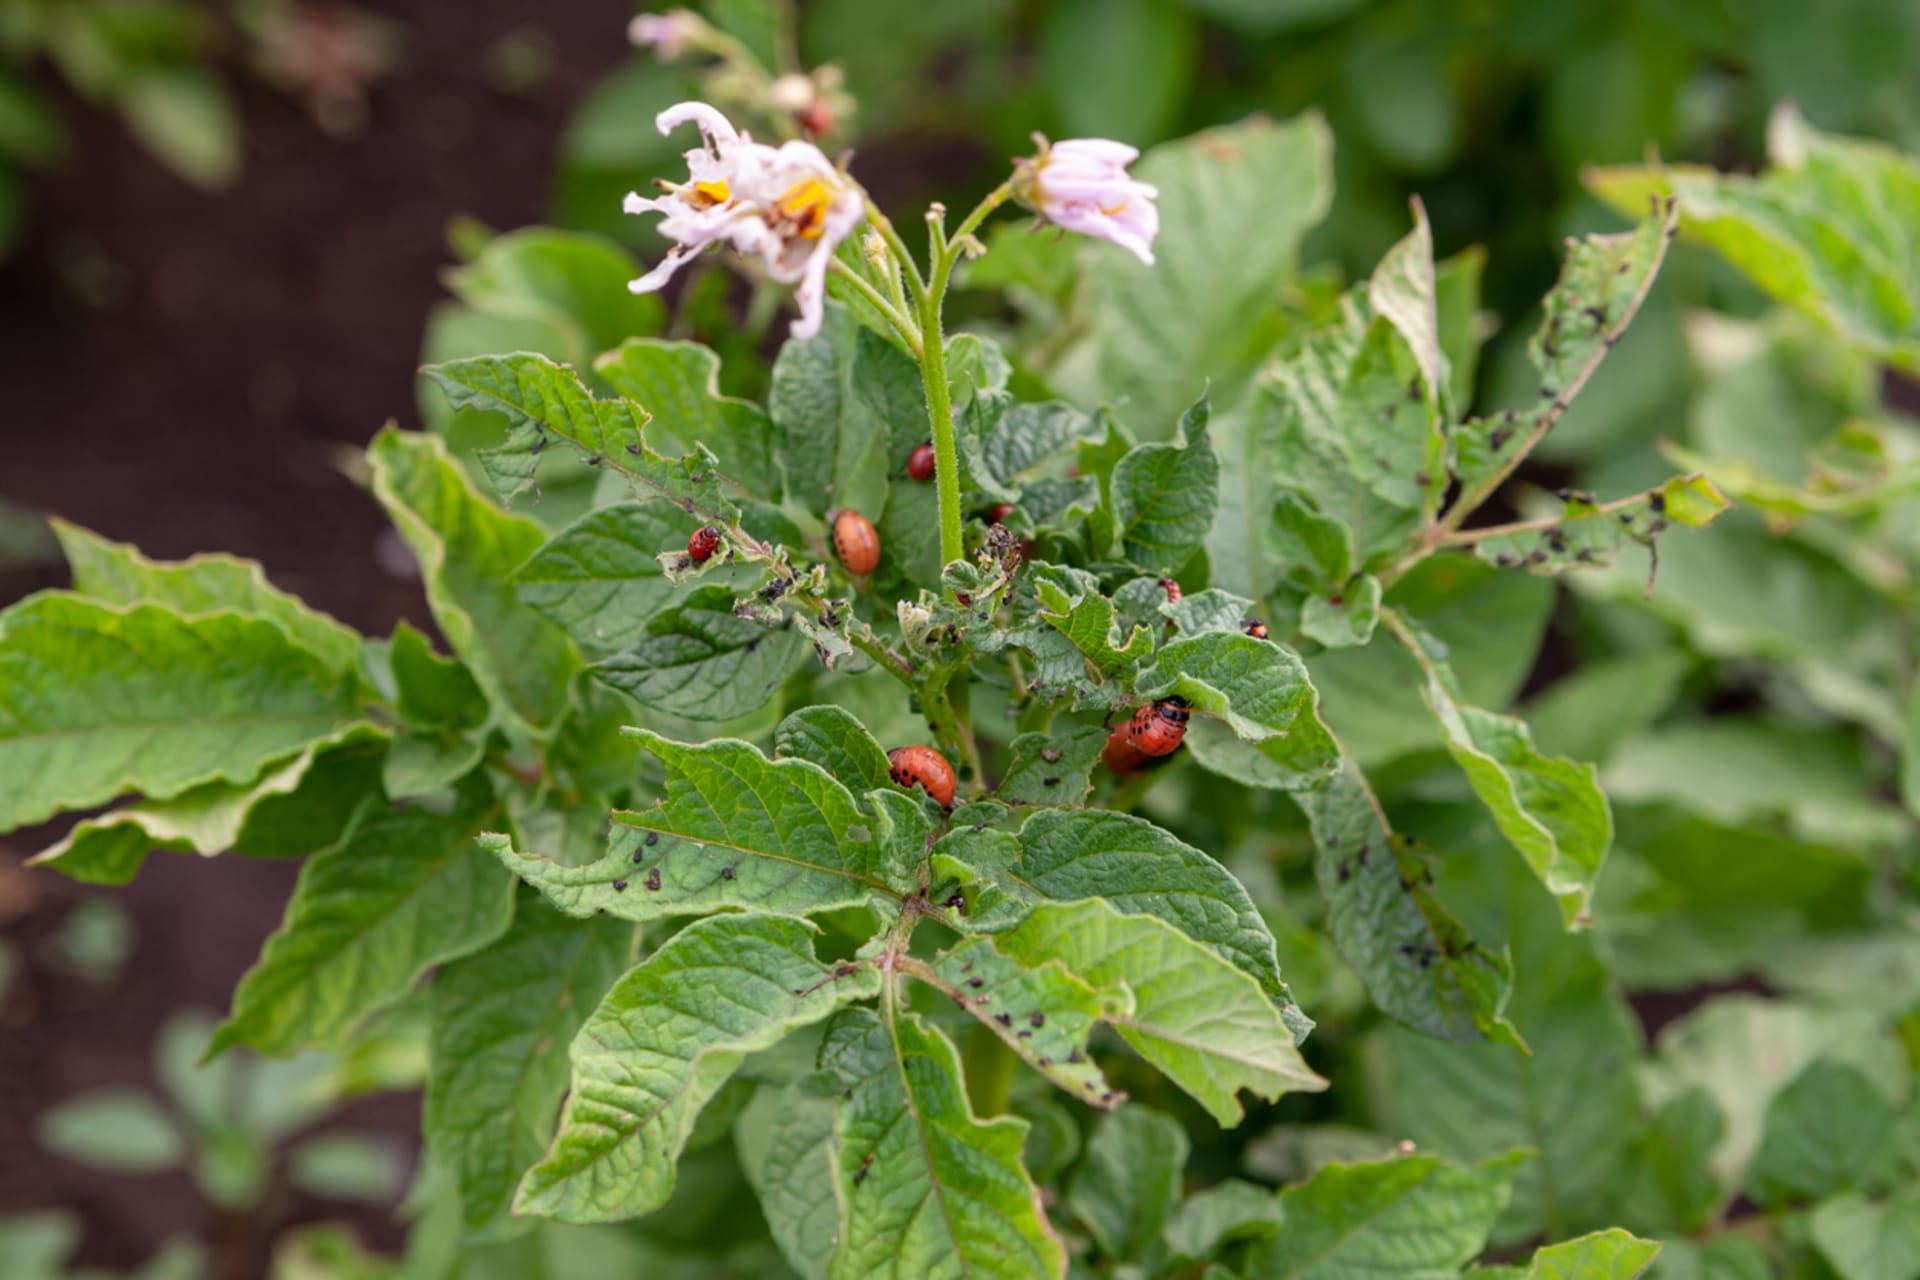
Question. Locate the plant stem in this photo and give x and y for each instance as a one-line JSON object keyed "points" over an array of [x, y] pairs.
{"points": [[946, 457], [899, 319], [951, 727], [1467, 537]]}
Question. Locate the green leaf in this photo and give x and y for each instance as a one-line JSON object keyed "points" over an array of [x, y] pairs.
{"points": [[833, 401], [1827, 228], [429, 690], [1134, 867], [208, 819], [701, 661], [736, 831], [1202, 1022], [833, 739], [403, 891], [96, 700], [600, 579], [1163, 496], [1226, 1212], [116, 573], [1118, 70], [678, 384], [1127, 1186], [39, 1243], [1052, 769], [543, 401], [1043, 1013], [1586, 533], [1418, 963], [467, 550], [1019, 438], [1234, 204], [1587, 714], [122, 1131], [1345, 618], [1071, 603], [184, 116], [795, 1175], [1866, 1241], [1668, 1186], [571, 282], [1601, 286], [1828, 1131], [348, 1166], [1259, 690], [499, 1018], [1613, 1254], [924, 1187], [1548, 807], [661, 1044], [1418, 1217]]}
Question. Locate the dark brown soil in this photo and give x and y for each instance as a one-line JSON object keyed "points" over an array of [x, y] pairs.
{"points": [[232, 343]]}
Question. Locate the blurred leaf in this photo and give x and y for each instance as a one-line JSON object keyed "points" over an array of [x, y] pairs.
{"points": [[1601, 1255], [1118, 68], [572, 282], [184, 116], [1830, 1130], [348, 1166], [1668, 1187], [1127, 1185], [122, 1131], [38, 1244], [94, 941], [1590, 711], [1867, 1241], [793, 1174], [1210, 1220], [833, 399]]}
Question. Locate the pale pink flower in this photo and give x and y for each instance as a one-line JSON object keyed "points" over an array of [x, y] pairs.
{"points": [[787, 205], [1082, 185], [668, 34]]}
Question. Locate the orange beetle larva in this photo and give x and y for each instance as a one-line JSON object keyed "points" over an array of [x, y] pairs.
{"points": [[856, 542], [925, 768]]}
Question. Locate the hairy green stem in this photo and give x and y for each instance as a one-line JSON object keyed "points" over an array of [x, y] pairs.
{"points": [[902, 324], [946, 455]]}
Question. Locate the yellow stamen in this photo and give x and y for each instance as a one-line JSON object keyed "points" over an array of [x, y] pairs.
{"points": [[711, 193], [805, 204], [1115, 211]]}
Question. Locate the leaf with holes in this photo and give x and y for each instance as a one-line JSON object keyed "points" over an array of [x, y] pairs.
{"points": [[1052, 769], [701, 661], [1586, 533], [1201, 1021], [678, 384], [736, 831]]}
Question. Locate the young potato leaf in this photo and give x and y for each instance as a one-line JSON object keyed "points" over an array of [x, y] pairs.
{"points": [[1043, 1013], [1203, 1023], [833, 400], [1828, 228], [1418, 1217], [430, 691], [661, 1044], [1259, 690], [1133, 866], [678, 383], [116, 573], [543, 401], [1211, 1220], [1613, 1254], [1586, 533], [1164, 496], [834, 739], [1346, 618], [501, 1019], [402, 891], [736, 831], [1418, 963], [701, 661], [925, 1188], [97, 700], [600, 579], [1006, 444], [468, 550], [1548, 807], [1071, 604], [1127, 1187], [1602, 284], [207, 820], [1053, 769]]}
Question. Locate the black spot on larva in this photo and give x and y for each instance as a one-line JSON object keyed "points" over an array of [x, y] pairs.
{"points": [[619, 886]]}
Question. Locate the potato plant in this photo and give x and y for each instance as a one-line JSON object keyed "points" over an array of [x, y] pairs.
{"points": [[771, 788]]}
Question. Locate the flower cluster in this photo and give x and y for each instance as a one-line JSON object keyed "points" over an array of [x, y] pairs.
{"points": [[791, 207], [788, 205]]}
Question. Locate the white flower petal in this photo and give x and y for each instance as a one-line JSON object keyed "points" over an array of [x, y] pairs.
{"points": [[713, 125]]}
